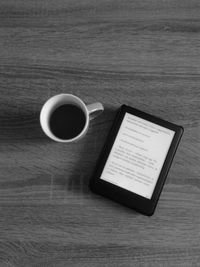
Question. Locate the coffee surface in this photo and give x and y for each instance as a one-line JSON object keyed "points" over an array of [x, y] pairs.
{"points": [[67, 121]]}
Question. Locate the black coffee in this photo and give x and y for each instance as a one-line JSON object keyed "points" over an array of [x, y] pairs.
{"points": [[67, 121]]}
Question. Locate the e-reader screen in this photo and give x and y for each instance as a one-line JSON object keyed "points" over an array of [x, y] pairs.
{"points": [[137, 155]]}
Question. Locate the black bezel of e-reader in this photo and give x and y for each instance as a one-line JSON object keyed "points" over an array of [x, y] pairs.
{"points": [[123, 196]]}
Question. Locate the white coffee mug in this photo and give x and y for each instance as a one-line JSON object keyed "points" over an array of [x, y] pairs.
{"points": [[90, 111]]}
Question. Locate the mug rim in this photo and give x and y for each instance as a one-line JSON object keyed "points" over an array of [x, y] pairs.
{"points": [[45, 125]]}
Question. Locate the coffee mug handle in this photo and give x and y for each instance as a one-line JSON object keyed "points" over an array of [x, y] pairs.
{"points": [[95, 110]]}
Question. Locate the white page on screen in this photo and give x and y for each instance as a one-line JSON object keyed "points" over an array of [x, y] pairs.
{"points": [[137, 155]]}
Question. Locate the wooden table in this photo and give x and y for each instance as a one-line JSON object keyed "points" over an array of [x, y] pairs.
{"points": [[142, 53]]}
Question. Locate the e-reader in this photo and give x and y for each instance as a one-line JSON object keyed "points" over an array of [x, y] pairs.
{"points": [[135, 160]]}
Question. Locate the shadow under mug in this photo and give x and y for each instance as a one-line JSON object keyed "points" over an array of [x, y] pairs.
{"points": [[91, 111]]}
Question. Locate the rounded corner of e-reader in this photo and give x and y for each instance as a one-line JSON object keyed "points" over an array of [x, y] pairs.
{"points": [[135, 160]]}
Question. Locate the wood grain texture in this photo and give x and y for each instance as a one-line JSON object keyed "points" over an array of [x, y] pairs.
{"points": [[142, 53]]}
